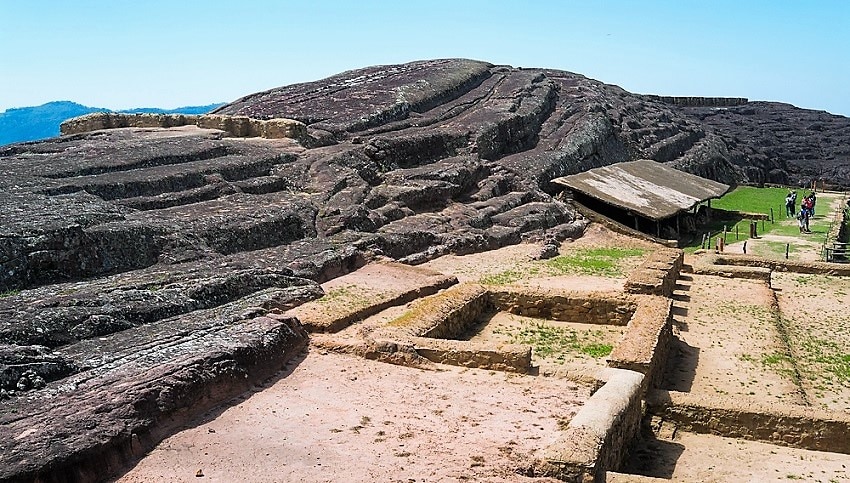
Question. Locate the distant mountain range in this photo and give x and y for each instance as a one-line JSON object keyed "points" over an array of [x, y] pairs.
{"points": [[41, 122]]}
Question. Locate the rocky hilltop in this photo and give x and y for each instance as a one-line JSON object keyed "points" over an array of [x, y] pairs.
{"points": [[144, 270], [779, 143]]}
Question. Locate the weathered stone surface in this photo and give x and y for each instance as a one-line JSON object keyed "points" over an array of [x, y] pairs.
{"points": [[773, 142], [234, 126], [136, 386], [129, 232]]}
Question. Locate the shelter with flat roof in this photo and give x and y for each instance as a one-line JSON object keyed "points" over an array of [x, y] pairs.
{"points": [[645, 194]]}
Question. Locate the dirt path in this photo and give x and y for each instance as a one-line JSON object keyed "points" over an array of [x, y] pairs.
{"points": [[726, 330], [814, 309]]}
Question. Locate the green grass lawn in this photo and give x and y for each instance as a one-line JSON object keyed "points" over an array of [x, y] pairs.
{"points": [[756, 200], [750, 199]]}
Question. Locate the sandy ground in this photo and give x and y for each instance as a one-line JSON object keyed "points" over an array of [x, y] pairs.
{"points": [[815, 310], [690, 457], [726, 329], [337, 418]]}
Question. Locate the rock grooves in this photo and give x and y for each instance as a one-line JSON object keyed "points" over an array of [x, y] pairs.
{"points": [[135, 257]]}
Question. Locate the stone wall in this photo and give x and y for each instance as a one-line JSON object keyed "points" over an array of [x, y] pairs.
{"points": [[507, 357], [700, 101], [658, 273], [821, 268], [597, 438], [238, 126], [788, 425], [446, 315], [646, 344], [321, 316], [580, 307], [837, 233]]}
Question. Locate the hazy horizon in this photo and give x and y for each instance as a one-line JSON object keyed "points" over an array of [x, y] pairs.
{"points": [[172, 54]]}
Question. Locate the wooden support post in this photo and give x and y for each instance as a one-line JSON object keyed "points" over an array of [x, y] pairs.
{"points": [[771, 216], [736, 233], [745, 247], [787, 249]]}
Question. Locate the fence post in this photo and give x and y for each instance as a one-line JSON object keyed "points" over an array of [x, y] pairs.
{"points": [[787, 248], [745, 247], [771, 216]]}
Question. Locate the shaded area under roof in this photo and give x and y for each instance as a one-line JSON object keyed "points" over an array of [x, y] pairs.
{"points": [[647, 188]]}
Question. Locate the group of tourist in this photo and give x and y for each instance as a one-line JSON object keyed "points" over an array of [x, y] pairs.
{"points": [[807, 209]]}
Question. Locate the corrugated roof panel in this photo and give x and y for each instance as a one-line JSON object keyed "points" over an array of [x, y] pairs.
{"points": [[648, 188]]}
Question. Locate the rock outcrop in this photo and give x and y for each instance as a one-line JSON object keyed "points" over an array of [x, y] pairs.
{"points": [[232, 125], [144, 267], [771, 142]]}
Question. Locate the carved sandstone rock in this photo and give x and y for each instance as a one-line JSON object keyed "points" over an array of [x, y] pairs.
{"points": [[144, 260]]}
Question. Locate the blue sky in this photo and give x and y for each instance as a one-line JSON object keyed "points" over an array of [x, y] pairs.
{"points": [[156, 53]]}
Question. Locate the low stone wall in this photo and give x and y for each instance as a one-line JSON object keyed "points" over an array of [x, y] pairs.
{"points": [[582, 307], [614, 477], [238, 126], [729, 271], [321, 316], [821, 268], [658, 273], [788, 425], [446, 315], [694, 101], [837, 229], [734, 215], [645, 346], [597, 438], [505, 357]]}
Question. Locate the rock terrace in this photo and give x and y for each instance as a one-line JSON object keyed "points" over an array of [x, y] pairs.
{"points": [[137, 262]]}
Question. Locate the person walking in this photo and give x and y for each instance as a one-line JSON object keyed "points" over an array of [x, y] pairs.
{"points": [[789, 205]]}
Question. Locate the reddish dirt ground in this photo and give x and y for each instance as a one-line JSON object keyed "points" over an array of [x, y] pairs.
{"points": [[336, 418]]}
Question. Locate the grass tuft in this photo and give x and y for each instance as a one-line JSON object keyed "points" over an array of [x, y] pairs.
{"points": [[595, 261], [558, 342]]}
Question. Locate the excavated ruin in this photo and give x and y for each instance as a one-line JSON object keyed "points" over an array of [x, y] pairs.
{"points": [[146, 271]]}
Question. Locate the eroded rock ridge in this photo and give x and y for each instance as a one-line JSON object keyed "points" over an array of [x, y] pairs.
{"points": [[144, 268]]}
